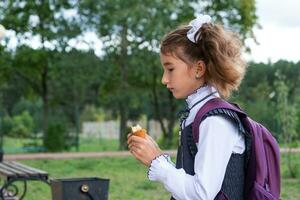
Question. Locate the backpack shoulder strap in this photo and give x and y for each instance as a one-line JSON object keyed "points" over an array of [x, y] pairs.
{"points": [[213, 104]]}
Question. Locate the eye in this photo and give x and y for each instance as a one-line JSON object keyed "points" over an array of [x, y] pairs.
{"points": [[170, 69]]}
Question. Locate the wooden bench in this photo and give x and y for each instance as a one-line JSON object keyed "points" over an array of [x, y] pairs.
{"points": [[11, 172]]}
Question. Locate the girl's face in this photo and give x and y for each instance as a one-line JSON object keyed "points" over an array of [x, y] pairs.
{"points": [[179, 78]]}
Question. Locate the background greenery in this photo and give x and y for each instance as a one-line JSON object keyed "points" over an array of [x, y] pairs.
{"points": [[50, 86], [54, 81]]}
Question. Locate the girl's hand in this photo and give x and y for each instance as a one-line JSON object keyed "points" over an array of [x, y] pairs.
{"points": [[143, 149]]}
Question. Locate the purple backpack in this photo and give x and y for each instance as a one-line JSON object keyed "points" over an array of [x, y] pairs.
{"points": [[262, 175]]}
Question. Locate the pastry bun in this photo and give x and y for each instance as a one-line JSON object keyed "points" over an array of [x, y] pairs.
{"points": [[138, 131]]}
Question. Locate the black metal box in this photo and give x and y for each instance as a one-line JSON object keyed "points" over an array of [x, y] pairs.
{"points": [[80, 189]]}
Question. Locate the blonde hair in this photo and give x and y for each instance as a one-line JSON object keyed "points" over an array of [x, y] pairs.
{"points": [[219, 49]]}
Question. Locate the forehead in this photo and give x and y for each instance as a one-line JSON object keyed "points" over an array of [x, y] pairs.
{"points": [[171, 59], [168, 60], [167, 57], [176, 55]]}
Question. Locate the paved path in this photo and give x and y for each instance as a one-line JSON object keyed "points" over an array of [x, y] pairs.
{"points": [[70, 155]]}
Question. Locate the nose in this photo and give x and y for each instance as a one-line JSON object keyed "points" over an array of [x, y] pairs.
{"points": [[164, 79]]}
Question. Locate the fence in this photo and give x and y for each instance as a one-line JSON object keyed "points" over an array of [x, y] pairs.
{"points": [[111, 129]]}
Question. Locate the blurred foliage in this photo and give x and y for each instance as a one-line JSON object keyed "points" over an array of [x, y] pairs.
{"points": [[57, 79], [287, 118], [131, 32], [55, 137], [20, 126]]}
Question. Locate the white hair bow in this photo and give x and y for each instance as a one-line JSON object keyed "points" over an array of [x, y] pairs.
{"points": [[196, 25]]}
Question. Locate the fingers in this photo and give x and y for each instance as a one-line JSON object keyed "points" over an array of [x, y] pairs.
{"points": [[141, 142], [134, 154], [136, 146], [131, 145], [138, 157], [143, 150], [134, 138], [135, 151]]}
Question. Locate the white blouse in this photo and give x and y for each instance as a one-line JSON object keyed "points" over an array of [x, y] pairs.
{"points": [[219, 139]]}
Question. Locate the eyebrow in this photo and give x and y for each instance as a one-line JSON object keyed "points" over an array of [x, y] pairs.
{"points": [[167, 63]]}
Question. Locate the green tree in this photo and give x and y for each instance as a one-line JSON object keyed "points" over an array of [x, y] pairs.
{"points": [[287, 117], [257, 92], [240, 15], [131, 31], [48, 22], [125, 27], [76, 80]]}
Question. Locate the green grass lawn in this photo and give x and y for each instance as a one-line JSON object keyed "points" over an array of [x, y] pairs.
{"points": [[127, 178], [97, 144], [22, 145]]}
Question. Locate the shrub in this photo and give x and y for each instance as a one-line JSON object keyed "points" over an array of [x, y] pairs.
{"points": [[6, 125], [54, 140], [18, 126]]}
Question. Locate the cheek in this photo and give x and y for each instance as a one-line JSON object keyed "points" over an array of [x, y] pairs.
{"points": [[190, 73]]}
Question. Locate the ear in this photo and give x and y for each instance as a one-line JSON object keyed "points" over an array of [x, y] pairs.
{"points": [[199, 68]]}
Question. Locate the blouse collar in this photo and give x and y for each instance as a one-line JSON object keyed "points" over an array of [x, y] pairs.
{"points": [[199, 94]]}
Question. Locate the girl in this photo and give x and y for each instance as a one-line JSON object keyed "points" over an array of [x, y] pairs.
{"points": [[201, 61]]}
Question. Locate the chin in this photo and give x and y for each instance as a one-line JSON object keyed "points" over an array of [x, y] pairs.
{"points": [[178, 96]]}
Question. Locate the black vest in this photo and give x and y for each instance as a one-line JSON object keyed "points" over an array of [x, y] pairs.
{"points": [[233, 183]]}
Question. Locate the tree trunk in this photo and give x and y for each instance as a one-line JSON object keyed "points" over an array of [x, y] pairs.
{"points": [[44, 82], [77, 124], [157, 108], [123, 90], [123, 130], [45, 101]]}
